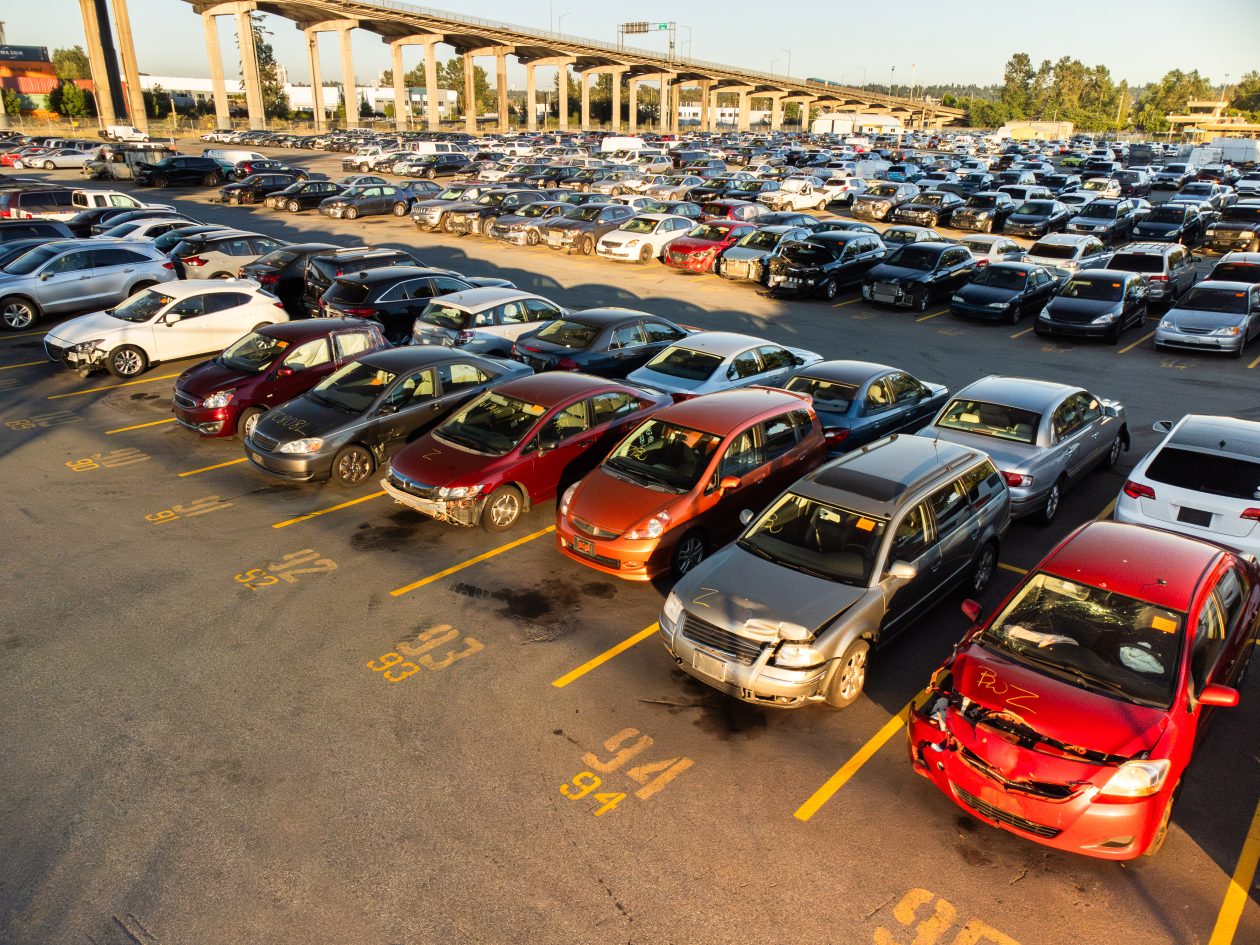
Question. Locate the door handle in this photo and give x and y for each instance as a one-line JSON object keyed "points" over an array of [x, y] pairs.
{"points": [[129, 270]]}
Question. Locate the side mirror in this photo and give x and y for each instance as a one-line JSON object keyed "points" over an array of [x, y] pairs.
{"points": [[547, 443], [1162, 426], [171, 318], [972, 609], [286, 372], [1215, 694], [45, 276], [387, 408], [745, 516], [728, 483], [902, 571]]}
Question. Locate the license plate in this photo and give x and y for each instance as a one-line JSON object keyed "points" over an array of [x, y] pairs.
{"points": [[583, 546], [256, 458], [708, 665], [1194, 517], [791, 281]]}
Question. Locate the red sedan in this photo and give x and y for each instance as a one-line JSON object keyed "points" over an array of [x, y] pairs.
{"points": [[699, 249], [516, 445], [1069, 717], [8, 159]]}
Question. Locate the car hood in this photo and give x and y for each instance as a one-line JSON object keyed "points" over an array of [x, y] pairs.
{"points": [[1079, 310], [303, 417], [750, 587], [1196, 318], [984, 294], [87, 327], [686, 244], [885, 272], [434, 462], [569, 225], [1056, 709], [209, 376], [606, 500], [1156, 226], [465, 206], [746, 252], [1027, 218], [1233, 226]]}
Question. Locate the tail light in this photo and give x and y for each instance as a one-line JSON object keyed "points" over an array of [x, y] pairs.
{"points": [[1138, 490], [1017, 479], [835, 435], [528, 348], [194, 261], [1158, 278], [463, 336], [565, 364], [266, 278], [359, 312], [981, 263], [168, 265], [1252, 514]]}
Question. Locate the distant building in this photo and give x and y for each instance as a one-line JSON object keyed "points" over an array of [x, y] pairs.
{"points": [[1042, 130], [1206, 118], [28, 70], [854, 123]]}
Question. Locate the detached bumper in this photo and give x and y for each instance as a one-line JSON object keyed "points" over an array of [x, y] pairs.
{"points": [[454, 511]]}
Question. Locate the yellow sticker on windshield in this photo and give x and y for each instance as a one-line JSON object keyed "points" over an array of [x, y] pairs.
{"points": [[1164, 625], [282, 345], [533, 410], [865, 524]]}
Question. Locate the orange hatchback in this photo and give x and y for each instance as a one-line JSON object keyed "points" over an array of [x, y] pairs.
{"points": [[673, 489]]}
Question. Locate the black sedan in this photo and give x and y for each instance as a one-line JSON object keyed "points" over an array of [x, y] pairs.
{"points": [[1109, 219], [607, 342], [394, 296], [858, 402], [1171, 223], [282, 272], [984, 212], [256, 187], [751, 189], [181, 170], [824, 263], [436, 165], [1004, 290], [1096, 303], [917, 273], [304, 195], [552, 177], [354, 420], [931, 208], [1036, 218]]}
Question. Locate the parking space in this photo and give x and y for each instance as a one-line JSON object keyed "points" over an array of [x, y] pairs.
{"points": [[238, 706]]}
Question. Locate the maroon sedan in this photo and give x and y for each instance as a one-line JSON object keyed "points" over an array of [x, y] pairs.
{"points": [[516, 445], [699, 249], [1070, 716], [740, 211], [226, 395]]}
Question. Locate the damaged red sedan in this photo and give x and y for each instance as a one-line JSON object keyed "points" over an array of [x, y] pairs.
{"points": [[1069, 717]]}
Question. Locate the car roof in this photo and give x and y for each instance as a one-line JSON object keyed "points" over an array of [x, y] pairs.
{"points": [[872, 479], [554, 387], [1218, 435], [413, 356], [836, 236], [1022, 392], [605, 315], [1159, 567], [1101, 272], [721, 343], [1225, 285], [393, 274], [182, 287], [474, 300], [1154, 249], [1251, 259], [304, 328], [1066, 239], [723, 411], [845, 372]]}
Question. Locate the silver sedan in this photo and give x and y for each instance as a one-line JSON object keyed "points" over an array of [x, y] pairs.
{"points": [[710, 361], [1043, 436]]}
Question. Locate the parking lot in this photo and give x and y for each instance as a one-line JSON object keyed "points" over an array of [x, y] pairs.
{"points": [[213, 734]]}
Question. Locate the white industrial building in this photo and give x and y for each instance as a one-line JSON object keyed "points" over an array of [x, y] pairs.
{"points": [[850, 123]]}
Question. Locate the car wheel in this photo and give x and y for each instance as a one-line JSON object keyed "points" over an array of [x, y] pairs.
{"points": [[1161, 832], [645, 255], [849, 678], [48, 165], [688, 553], [351, 213], [587, 245], [1050, 510], [1113, 453], [430, 173], [248, 197], [400, 209], [502, 510], [18, 313], [248, 421], [160, 180], [1113, 336], [531, 237], [1014, 314], [363, 168], [352, 466], [921, 301], [294, 206], [982, 569], [127, 361], [140, 287], [830, 289]]}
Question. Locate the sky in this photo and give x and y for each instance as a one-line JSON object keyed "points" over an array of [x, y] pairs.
{"points": [[1138, 40]]}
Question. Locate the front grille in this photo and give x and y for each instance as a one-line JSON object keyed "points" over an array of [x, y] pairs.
{"points": [[262, 441], [55, 352], [1194, 331], [593, 530], [418, 489], [737, 647], [1002, 817], [183, 400], [1050, 790]]}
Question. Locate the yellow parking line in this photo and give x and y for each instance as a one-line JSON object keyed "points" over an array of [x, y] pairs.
{"points": [[1238, 893], [1106, 512], [850, 302], [139, 426], [924, 318], [1010, 567], [604, 657], [230, 462], [852, 766], [1253, 364], [93, 390], [407, 589], [1020, 334], [332, 508], [10, 367], [24, 334], [1147, 337]]}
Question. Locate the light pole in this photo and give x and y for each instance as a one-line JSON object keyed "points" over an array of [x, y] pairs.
{"points": [[688, 40], [914, 66], [560, 22], [891, 72], [788, 74]]}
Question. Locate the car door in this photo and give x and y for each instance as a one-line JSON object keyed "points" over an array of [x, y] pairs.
{"points": [[912, 401], [299, 370], [67, 283], [912, 539], [777, 365], [957, 533], [562, 443], [1072, 442], [112, 272], [180, 332], [411, 402], [385, 199]]}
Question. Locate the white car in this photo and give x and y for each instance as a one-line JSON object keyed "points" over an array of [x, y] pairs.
{"points": [[145, 229], [1203, 480], [638, 201], [644, 237], [58, 158], [164, 323], [1098, 187]]}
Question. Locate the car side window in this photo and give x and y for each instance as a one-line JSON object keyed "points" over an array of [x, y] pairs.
{"points": [[350, 344], [570, 421], [71, 262], [741, 457], [612, 405], [744, 365], [878, 397], [779, 435], [189, 307], [236, 247], [628, 337], [912, 536], [309, 355], [904, 388], [539, 310], [1209, 638], [413, 389], [1066, 419], [660, 332], [513, 313], [981, 484], [1088, 407], [776, 358], [263, 244], [949, 507], [460, 375]]}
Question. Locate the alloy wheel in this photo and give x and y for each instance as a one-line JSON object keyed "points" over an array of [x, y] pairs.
{"points": [[18, 314], [504, 510], [853, 674], [690, 553], [128, 363]]}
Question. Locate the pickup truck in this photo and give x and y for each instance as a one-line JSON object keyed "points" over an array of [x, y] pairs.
{"points": [[803, 193]]}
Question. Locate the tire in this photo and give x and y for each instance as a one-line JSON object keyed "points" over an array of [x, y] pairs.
{"points": [[293, 206], [830, 290], [363, 168], [49, 165], [1113, 454], [18, 313], [352, 466], [982, 568], [161, 180], [645, 256], [1050, 510], [1013, 317], [140, 287], [1161, 832], [127, 361], [248, 197], [430, 174], [351, 213], [503, 509], [531, 238], [689, 552], [400, 209], [849, 678], [921, 301], [1113, 336], [246, 422], [551, 185], [586, 245]]}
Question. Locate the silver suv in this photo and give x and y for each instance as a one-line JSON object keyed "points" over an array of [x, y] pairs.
{"points": [[77, 276], [840, 563]]}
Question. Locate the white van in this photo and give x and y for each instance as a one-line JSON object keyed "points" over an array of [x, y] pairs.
{"points": [[125, 133], [434, 147], [232, 155], [92, 199], [621, 143]]}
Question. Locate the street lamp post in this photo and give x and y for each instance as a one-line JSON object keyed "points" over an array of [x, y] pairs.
{"points": [[560, 22], [688, 40], [789, 62], [891, 73]]}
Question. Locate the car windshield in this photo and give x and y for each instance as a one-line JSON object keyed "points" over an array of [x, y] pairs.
{"points": [[1231, 476], [1248, 215], [1197, 190], [350, 193], [686, 363], [27, 263], [1094, 290], [253, 353], [1097, 210], [805, 253], [1038, 208], [1166, 214], [1205, 299], [585, 213], [1096, 185], [567, 334], [492, 199], [1091, 637], [640, 225], [1053, 250], [999, 278], [914, 257], [981, 201], [828, 395], [444, 316], [931, 199], [450, 193], [760, 239], [353, 388], [989, 419], [881, 190], [664, 455], [493, 423], [142, 306], [823, 540], [347, 292], [708, 232]]}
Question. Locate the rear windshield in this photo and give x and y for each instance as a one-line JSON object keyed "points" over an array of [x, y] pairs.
{"points": [[1053, 250], [568, 334], [444, 316], [1226, 476], [278, 258], [989, 419], [350, 293], [828, 395], [914, 257], [1203, 299], [1236, 272], [685, 363], [1036, 207], [1242, 214], [1137, 262]]}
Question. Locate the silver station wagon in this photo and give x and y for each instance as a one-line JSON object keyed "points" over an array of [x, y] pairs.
{"points": [[838, 564]]}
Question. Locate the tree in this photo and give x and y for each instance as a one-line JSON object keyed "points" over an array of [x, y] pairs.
{"points": [[157, 102], [71, 63], [1245, 96], [74, 101], [275, 100], [1017, 85], [1169, 96], [365, 110], [450, 75], [13, 102]]}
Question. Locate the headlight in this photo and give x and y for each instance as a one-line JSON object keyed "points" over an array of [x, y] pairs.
{"points": [[564, 499], [797, 656], [219, 398], [632, 243], [1045, 313], [458, 492], [997, 305], [516, 227], [1247, 235], [1168, 324], [310, 444], [1230, 332], [956, 298], [83, 347], [982, 214], [1105, 319], [672, 610], [1138, 778], [654, 527]]}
